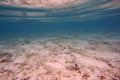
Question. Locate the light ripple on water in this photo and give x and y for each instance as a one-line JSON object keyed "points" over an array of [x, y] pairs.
{"points": [[90, 9]]}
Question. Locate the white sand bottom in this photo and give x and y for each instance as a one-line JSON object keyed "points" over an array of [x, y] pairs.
{"points": [[60, 59]]}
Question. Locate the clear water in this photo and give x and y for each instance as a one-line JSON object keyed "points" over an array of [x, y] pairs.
{"points": [[75, 20], [84, 38]]}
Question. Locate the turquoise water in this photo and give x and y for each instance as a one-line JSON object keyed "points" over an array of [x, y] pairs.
{"points": [[77, 20], [73, 28]]}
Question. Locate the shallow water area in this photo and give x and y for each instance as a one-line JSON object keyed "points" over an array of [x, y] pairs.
{"points": [[59, 40]]}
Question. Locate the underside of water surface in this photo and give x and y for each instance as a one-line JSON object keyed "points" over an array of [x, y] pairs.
{"points": [[59, 39]]}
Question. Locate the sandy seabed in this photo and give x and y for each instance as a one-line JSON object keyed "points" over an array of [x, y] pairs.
{"points": [[60, 59]]}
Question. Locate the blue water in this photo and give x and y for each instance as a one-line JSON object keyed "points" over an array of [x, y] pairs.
{"points": [[25, 22]]}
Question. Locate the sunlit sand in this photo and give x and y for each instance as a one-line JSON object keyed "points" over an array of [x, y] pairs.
{"points": [[60, 59]]}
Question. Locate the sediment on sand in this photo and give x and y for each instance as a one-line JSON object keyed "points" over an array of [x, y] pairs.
{"points": [[60, 59]]}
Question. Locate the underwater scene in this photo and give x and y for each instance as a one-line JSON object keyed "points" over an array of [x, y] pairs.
{"points": [[59, 39]]}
